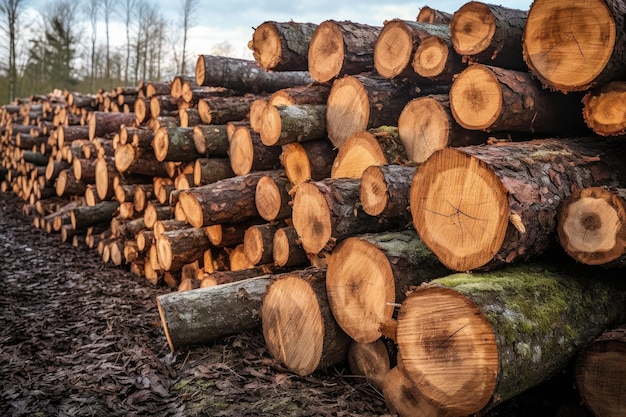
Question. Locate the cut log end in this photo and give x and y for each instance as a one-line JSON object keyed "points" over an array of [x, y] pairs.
{"points": [[604, 110], [476, 98], [459, 194], [373, 191], [348, 109], [424, 128], [270, 128], [296, 162], [359, 151], [160, 144], [326, 52], [192, 209], [200, 70], [431, 347], [431, 57], [472, 28], [311, 217], [393, 49], [267, 47]]}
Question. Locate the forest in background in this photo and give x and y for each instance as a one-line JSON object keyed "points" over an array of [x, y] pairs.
{"points": [[60, 48]]}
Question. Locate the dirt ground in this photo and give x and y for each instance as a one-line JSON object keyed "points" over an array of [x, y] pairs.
{"points": [[82, 338]]}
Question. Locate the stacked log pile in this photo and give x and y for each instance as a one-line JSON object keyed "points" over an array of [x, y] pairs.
{"points": [[375, 195]]}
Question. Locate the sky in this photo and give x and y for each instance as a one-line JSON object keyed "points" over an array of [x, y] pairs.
{"points": [[234, 20]]}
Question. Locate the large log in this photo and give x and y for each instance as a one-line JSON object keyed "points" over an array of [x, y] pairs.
{"points": [[369, 274], [298, 327], [489, 98], [600, 371], [244, 75], [308, 161], [604, 110], [339, 48], [592, 226], [488, 205], [329, 210], [282, 46], [489, 34], [470, 342], [577, 47], [88, 216]]}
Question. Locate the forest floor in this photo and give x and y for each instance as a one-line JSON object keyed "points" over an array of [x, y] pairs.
{"points": [[84, 338]]}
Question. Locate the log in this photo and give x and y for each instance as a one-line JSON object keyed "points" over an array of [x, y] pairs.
{"points": [[238, 260], [68, 134], [385, 191], [227, 201], [245, 76], [180, 247], [295, 123], [155, 212], [282, 46], [592, 226], [141, 110], [248, 153], [370, 273], [402, 397], [430, 15], [286, 248], [189, 117], [379, 146], [155, 88], [207, 314], [163, 105], [308, 161], [436, 60], [314, 95], [329, 210], [230, 235], [140, 136], [272, 198], [491, 99], [426, 124], [67, 185], [130, 159], [104, 123], [298, 327], [105, 174], [88, 216], [211, 140], [397, 43], [371, 361], [567, 56], [470, 342], [489, 34], [475, 212], [600, 371], [258, 243], [210, 170], [603, 109], [175, 144], [339, 48], [221, 110]]}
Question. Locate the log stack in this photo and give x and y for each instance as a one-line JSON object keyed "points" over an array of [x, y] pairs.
{"points": [[341, 200]]}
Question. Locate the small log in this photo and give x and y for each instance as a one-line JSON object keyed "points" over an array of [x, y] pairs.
{"points": [[298, 327], [308, 161], [592, 226], [155, 88], [392, 262], [105, 123], [230, 235], [175, 144], [155, 212], [286, 249], [313, 95], [189, 117], [604, 110], [385, 191], [210, 170], [105, 174], [371, 361], [339, 48], [272, 198], [258, 243], [88, 216], [248, 153], [221, 110], [211, 140], [68, 134], [130, 159], [430, 15], [507, 331], [489, 34], [179, 247], [295, 123], [600, 373], [228, 277], [282, 46], [436, 60], [66, 184]]}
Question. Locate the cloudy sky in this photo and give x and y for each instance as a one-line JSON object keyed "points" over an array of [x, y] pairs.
{"points": [[234, 20]]}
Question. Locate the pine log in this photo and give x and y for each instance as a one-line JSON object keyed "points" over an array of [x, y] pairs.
{"points": [[426, 125], [339, 48], [230, 235], [329, 210], [142, 195], [105, 174], [155, 212], [247, 152], [308, 161], [294, 123], [211, 140], [436, 60], [286, 248], [298, 327], [140, 136], [179, 247], [489, 34], [378, 146], [207, 314], [258, 243], [130, 159], [369, 273], [67, 185], [600, 371], [488, 205], [592, 226], [104, 123], [221, 110], [175, 144], [238, 260], [87, 216], [577, 47], [68, 134], [604, 109], [54, 168], [272, 198], [385, 191], [430, 15], [244, 75], [227, 201], [210, 170], [491, 99], [141, 110], [189, 117], [313, 95], [397, 43], [470, 342], [282, 46]]}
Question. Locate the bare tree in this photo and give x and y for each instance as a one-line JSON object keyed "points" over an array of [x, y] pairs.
{"points": [[107, 10], [188, 9], [127, 12], [91, 10], [10, 10]]}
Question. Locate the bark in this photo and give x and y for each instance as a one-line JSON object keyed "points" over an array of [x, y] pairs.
{"points": [[158, 89], [592, 226], [210, 170], [87, 216], [248, 153], [295, 123], [599, 373], [436, 60], [68, 134], [227, 201], [180, 247], [575, 57], [67, 185], [392, 262], [385, 191], [282, 46], [155, 212], [339, 48], [298, 327], [108, 123], [272, 198], [189, 117], [308, 160], [430, 15], [230, 235], [485, 206], [140, 137], [604, 110], [245, 76], [470, 342], [329, 210], [175, 145], [489, 34], [314, 95], [163, 105], [286, 248], [380, 146], [130, 159], [426, 125], [221, 110], [495, 99], [257, 243], [211, 141]]}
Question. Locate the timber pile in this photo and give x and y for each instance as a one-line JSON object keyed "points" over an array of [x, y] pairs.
{"points": [[341, 200]]}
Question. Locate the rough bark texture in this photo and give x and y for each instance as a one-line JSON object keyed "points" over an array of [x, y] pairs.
{"points": [[210, 170], [102, 123], [87, 216], [221, 110], [282, 46], [248, 153], [315, 94], [180, 247], [130, 159], [430, 15], [272, 198], [175, 144], [385, 191], [295, 123], [211, 140], [286, 248], [308, 161]]}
